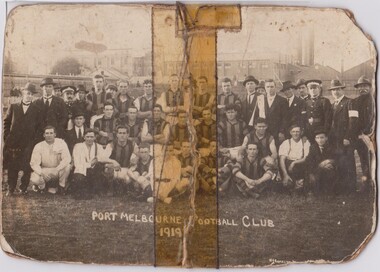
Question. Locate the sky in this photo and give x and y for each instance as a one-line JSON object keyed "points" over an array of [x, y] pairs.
{"points": [[268, 31], [35, 32]]}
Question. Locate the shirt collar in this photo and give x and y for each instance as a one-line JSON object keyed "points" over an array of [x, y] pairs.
{"points": [[339, 99]]}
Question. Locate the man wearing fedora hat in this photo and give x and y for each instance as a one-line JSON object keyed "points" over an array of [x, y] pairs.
{"points": [[20, 132], [318, 110], [341, 137], [52, 109], [297, 107], [250, 99], [362, 120]]}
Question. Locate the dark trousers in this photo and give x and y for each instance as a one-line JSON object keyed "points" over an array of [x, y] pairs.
{"points": [[363, 153], [15, 160], [323, 180], [84, 187], [346, 169]]}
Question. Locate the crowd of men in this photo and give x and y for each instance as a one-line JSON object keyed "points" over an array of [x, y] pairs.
{"points": [[86, 142], [294, 140]]}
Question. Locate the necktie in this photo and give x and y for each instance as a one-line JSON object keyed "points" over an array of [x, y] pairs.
{"points": [[80, 134], [289, 102], [336, 104]]}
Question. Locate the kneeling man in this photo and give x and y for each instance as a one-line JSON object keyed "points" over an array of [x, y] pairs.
{"points": [[50, 163], [89, 160], [293, 153]]}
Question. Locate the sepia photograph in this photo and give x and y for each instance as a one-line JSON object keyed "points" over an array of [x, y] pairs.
{"points": [[187, 135], [296, 138], [77, 171]]}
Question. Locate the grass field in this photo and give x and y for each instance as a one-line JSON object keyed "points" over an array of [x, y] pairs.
{"points": [[58, 228], [325, 228]]}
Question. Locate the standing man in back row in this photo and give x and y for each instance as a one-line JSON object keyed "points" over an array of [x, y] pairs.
{"points": [[20, 131], [362, 118], [318, 110], [52, 109]]}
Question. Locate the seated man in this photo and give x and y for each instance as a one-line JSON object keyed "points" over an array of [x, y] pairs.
{"points": [[260, 136], [231, 130], [141, 173], [89, 160], [293, 153], [251, 173], [106, 125], [180, 132], [207, 169], [167, 174], [187, 162], [133, 124], [321, 164], [206, 129], [122, 155], [50, 163], [156, 130]]}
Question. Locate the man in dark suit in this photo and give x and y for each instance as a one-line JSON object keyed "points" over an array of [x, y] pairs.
{"points": [[276, 111], [342, 138], [362, 119], [52, 110], [321, 165], [20, 132], [250, 99], [75, 135], [297, 107]]}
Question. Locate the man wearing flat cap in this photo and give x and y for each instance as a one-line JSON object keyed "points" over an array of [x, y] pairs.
{"points": [[82, 104], [20, 132], [250, 98], [341, 136], [362, 118], [318, 110], [52, 109]]}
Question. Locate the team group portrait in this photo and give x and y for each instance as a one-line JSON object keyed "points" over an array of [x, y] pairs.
{"points": [[271, 127]]}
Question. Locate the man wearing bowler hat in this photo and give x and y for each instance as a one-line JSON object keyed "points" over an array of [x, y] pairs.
{"points": [[20, 132], [52, 109], [341, 137], [318, 110], [362, 120], [250, 98]]}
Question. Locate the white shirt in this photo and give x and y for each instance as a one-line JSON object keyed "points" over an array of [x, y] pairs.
{"points": [[77, 130], [55, 155], [270, 100], [25, 107], [337, 101], [49, 99], [82, 156], [290, 100], [294, 150]]}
